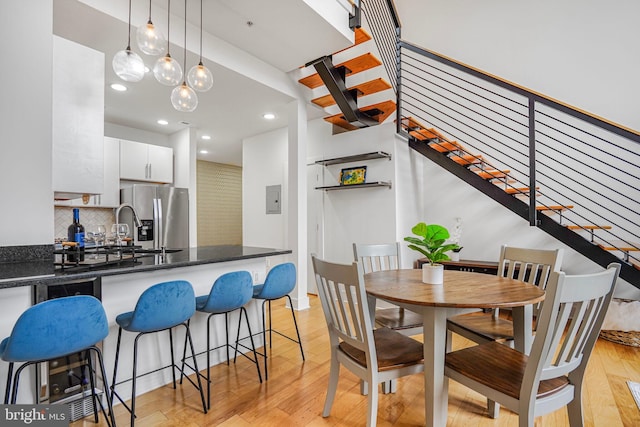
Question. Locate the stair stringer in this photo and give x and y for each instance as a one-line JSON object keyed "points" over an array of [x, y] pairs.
{"points": [[520, 208]]}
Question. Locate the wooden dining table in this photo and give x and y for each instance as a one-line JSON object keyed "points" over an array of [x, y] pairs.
{"points": [[461, 290]]}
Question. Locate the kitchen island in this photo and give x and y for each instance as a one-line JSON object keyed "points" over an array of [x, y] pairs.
{"points": [[122, 284]]}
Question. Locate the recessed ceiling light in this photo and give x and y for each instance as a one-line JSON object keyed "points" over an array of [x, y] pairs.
{"points": [[206, 137], [269, 116], [163, 122], [204, 152], [118, 87]]}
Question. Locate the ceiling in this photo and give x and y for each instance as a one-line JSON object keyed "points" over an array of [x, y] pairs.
{"points": [[283, 33]]}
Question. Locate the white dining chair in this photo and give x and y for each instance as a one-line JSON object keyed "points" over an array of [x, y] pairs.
{"points": [[379, 257], [532, 266], [374, 356], [551, 376]]}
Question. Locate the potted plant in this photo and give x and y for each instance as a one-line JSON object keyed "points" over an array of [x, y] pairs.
{"points": [[431, 242]]}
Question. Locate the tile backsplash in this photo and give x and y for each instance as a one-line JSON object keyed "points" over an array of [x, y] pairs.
{"points": [[89, 218]]}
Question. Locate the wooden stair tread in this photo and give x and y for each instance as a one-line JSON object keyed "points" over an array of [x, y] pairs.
{"points": [[492, 174], [518, 190], [619, 245], [360, 36], [353, 66], [554, 208], [423, 134], [466, 159], [589, 227], [386, 108], [446, 146], [366, 88]]}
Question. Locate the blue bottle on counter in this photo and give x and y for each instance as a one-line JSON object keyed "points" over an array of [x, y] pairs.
{"points": [[75, 233]]}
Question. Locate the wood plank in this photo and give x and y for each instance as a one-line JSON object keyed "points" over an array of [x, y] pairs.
{"points": [[558, 208], [589, 227], [519, 190], [363, 89], [353, 66], [466, 159], [619, 245], [493, 174], [386, 108], [446, 146]]}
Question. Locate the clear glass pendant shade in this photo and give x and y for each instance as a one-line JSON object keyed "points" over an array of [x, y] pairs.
{"points": [[184, 98], [128, 65], [200, 78], [150, 39], [167, 71]]}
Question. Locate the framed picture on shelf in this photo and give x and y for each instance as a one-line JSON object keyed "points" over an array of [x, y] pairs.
{"points": [[351, 176]]}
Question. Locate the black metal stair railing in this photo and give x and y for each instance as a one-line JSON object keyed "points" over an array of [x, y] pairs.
{"points": [[574, 175]]}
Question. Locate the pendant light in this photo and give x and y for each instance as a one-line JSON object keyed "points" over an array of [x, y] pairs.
{"points": [[150, 39], [126, 63], [199, 76], [183, 97], [167, 70]]}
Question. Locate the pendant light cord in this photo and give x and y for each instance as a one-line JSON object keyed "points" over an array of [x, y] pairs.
{"points": [[185, 40], [129, 35], [168, 20], [200, 32], [149, 22]]}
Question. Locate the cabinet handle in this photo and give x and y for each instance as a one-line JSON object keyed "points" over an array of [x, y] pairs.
{"points": [[146, 170], [150, 170]]}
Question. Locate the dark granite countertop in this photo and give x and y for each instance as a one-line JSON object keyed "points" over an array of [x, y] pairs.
{"points": [[35, 272]]}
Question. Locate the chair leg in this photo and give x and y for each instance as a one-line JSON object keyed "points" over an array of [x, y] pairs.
{"points": [[111, 420], [264, 339], [372, 402], [226, 334], [92, 384], [16, 381], [208, 361], [115, 365], [293, 314], [7, 392], [493, 408], [390, 386], [173, 361], [253, 346], [334, 375], [184, 355], [195, 367], [133, 379]]}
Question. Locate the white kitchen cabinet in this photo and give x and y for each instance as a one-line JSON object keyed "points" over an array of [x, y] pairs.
{"points": [[110, 198], [77, 119], [145, 162]]}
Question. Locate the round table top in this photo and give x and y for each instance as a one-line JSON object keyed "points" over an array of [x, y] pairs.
{"points": [[461, 289]]}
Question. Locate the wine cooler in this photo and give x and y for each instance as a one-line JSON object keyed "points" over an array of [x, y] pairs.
{"points": [[66, 380]]}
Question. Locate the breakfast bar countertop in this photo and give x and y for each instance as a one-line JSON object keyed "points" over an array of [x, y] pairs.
{"points": [[38, 272]]}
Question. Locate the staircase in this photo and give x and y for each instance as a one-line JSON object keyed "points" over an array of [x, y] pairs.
{"points": [[570, 174], [345, 90]]}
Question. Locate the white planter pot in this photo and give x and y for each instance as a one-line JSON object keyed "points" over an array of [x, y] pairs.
{"points": [[455, 256], [433, 274]]}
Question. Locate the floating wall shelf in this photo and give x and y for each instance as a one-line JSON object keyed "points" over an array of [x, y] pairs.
{"points": [[355, 158], [354, 186]]}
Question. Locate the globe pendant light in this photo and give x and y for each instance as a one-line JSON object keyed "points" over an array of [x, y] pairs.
{"points": [[167, 70], [199, 76], [183, 98], [126, 63], [150, 39]]}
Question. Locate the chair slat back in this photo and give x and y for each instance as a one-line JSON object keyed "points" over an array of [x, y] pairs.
{"points": [[378, 257], [532, 266], [569, 324], [344, 303]]}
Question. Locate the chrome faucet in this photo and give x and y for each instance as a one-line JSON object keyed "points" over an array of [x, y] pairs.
{"points": [[136, 220]]}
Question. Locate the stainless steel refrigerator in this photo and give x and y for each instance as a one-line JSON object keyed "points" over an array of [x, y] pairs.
{"points": [[163, 212]]}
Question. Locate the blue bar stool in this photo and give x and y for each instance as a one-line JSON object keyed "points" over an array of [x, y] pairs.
{"points": [[160, 308], [229, 292], [58, 328], [279, 282]]}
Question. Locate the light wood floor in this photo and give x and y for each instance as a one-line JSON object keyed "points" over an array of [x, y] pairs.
{"points": [[294, 394]]}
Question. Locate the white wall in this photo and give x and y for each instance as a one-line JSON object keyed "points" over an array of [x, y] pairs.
{"points": [[26, 217], [582, 52]]}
